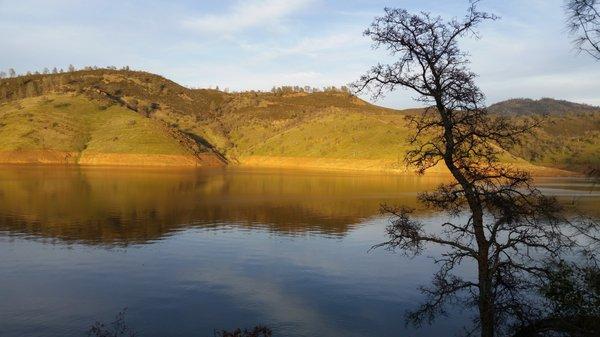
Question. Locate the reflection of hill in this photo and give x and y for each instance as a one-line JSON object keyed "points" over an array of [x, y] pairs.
{"points": [[99, 206]]}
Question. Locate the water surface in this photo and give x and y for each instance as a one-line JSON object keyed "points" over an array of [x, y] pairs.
{"points": [[190, 251]]}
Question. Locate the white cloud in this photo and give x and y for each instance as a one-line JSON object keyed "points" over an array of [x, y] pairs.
{"points": [[312, 46], [316, 47], [246, 14]]}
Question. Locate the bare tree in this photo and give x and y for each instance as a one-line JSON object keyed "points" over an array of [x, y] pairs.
{"points": [[583, 19], [71, 68], [12, 72], [498, 221]]}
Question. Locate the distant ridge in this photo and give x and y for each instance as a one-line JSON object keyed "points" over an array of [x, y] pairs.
{"points": [[544, 106]]}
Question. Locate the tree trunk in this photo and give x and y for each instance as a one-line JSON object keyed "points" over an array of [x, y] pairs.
{"points": [[486, 305], [486, 300]]}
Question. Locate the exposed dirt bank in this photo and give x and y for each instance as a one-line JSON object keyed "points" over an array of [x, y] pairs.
{"points": [[367, 165], [213, 160], [38, 157], [109, 159]]}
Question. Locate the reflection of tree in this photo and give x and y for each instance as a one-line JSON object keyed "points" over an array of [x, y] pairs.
{"points": [[509, 223]]}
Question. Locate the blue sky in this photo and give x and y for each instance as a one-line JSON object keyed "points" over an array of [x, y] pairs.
{"points": [[256, 44]]}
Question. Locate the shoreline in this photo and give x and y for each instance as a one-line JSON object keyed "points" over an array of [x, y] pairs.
{"points": [[53, 157], [375, 166], [207, 161]]}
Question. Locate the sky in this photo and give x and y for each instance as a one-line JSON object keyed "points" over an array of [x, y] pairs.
{"points": [[258, 44]]}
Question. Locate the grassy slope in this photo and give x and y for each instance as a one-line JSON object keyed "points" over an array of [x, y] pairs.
{"points": [[322, 130], [333, 127], [570, 141], [77, 124], [326, 125], [348, 140], [336, 135], [568, 138]]}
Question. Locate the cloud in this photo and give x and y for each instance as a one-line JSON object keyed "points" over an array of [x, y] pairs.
{"points": [[245, 15], [330, 45], [270, 298], [256, 44], [313, 46]]}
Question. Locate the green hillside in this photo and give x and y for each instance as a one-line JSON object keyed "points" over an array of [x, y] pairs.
{"points": [[569, 136], [74, 123], [108, 111], [570, 141], [72, 128], [335, 135]]}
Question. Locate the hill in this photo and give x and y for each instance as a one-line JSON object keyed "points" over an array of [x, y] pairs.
{"points": [[69, 128], [289, 127], [569, 136], [544, 106]]}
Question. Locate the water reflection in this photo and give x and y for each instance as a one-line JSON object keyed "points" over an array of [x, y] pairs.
{"points": [[229, 249], [135, 206]]}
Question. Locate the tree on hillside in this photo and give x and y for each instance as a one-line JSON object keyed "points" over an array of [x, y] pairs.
{"points": [[2, 74], [71, 68], [583, 19], [497, 220], [12, 72]]}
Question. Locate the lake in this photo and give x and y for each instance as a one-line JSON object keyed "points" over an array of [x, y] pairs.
{"points": [[190, 251]]}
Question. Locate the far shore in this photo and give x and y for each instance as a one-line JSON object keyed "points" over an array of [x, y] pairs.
{"points": [[161, 161]]}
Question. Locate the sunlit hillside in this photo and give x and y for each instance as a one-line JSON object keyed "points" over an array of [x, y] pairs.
{"points": [[87, 116], [69, 128]]}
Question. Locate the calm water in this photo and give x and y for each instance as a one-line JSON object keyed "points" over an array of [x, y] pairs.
{"points": [[188, 252]]}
